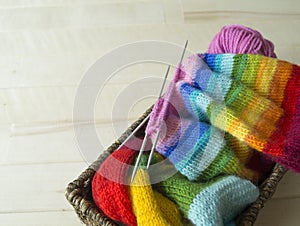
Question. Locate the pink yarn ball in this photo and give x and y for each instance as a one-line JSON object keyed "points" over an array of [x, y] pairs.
{"points": [[241, 39]]}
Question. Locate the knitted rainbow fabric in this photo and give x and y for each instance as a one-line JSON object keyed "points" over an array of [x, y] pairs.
{"points": [[275, 133], [197, 149], [217, 202], [112, 197], [215, 101]]}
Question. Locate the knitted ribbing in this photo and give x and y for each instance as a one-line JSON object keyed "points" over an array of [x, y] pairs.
{"points": [[151, 208], [217, 202], [112, 197]]}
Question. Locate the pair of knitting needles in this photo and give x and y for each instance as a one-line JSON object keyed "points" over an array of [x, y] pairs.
{"points": [[142, 149]]}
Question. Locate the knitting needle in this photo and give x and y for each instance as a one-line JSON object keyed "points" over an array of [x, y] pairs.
{"points": [[148, 116], [146, 135], [134, 131], [152, 149], [158, 133]]}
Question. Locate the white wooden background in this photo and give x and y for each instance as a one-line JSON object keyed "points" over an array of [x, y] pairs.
{"points": [[45, 48]]}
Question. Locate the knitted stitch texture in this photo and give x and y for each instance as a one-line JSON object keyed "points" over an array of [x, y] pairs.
{"points": [[217, 202], [279, 82], [151, 208], [251, 97], [196, 148], [112, 197], [245, 40]]}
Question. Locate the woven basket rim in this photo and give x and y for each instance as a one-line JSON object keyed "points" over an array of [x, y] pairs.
{"points": [[89, 213]]}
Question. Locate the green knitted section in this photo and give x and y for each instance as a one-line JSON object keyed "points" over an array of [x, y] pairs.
{"points": [[239, 66], [144, 159], [232, 94], [181, 191], [221, 164], [241, 99], [251, 68]]}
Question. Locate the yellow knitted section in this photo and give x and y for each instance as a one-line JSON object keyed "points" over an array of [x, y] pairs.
{"points": [[147, 209], [168, 209]]}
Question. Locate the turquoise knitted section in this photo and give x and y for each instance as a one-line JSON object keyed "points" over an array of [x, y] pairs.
{"points": [[222, 201]]}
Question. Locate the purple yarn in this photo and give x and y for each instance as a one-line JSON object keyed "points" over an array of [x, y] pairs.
{"points": [[241, 39]]}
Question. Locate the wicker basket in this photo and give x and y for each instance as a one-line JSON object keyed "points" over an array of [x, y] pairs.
{"points": [[79, 192]]}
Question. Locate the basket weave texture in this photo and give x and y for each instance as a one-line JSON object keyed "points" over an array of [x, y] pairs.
{"points": [[79, 192]]}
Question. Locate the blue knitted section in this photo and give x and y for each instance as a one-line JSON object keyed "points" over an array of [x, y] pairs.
{"points": [[209, 59], [215, 62], [221, 202], [193, 139], [191, 99], [204, 157], [197, 150]]}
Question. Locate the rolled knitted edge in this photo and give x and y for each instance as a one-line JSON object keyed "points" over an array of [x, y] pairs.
{"points": [[149, 207], [227, 197], [110, 197]]}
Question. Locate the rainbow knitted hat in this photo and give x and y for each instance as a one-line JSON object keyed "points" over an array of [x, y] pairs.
{"points": [[252, 98], [217, 202]]}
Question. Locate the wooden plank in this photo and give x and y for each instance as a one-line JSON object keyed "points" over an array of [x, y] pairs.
{"points": [[55, 218], [65, 71], [37, 187], [173, 11], [55, 104], [45, 143], [91, 15], [280, 212], [269, 6], [98, 41], [60, 71], [48, 3], [4, 141]]}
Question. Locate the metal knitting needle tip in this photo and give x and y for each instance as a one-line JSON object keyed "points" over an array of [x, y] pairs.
{"points": [[152, 149], [183, 52], [164, 82], [139, 157], [134, 131], [148, 116]]}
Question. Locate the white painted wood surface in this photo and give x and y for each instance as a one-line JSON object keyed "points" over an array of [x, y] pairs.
{"points": [[45, 48]]}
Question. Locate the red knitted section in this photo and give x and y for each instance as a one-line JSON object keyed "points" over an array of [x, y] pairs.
{"points": [[284, 142], [112, 197], [292, 145]]}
